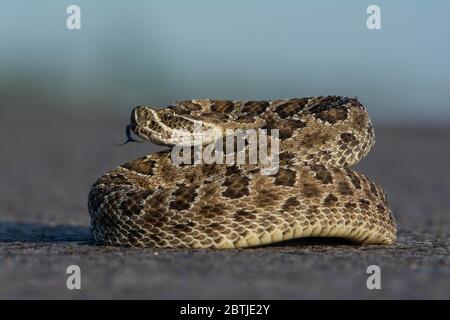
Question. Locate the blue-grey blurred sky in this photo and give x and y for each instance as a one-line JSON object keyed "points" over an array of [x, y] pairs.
{"points": [[154, 52]]}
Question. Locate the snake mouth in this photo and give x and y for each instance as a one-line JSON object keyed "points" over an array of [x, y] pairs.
{"points": [[145, 134], [134, 127]]}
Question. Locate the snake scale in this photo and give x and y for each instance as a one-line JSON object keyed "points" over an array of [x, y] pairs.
{"points": [[152, 202]]}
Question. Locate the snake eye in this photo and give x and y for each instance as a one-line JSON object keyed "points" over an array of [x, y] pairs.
{"points": [[168, 116]]}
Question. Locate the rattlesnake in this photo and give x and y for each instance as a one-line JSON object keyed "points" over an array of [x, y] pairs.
{"points": [[151, 202]]}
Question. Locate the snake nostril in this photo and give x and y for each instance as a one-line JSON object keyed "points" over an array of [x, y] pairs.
{"points": [[135, 115]]}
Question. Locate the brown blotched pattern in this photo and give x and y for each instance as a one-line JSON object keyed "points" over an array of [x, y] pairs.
{"points": [[150, 202]]}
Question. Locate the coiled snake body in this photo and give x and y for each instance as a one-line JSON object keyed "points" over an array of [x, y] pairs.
{"points": [[154, 203]]}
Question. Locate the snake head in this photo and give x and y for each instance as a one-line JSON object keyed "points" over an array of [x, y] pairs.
{"points": [[170, 127]]}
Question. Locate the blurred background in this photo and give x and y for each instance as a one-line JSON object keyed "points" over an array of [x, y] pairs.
{"points": [[66, 97], [155, 52]]}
